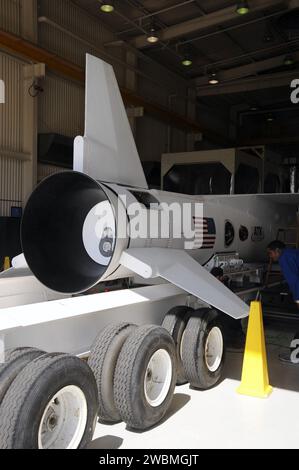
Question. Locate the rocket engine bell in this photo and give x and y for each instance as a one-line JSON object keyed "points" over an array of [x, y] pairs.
{"points": [[75, 230], [69, 232]]}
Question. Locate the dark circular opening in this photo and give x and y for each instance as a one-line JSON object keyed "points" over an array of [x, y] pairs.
{"points": [[229, 233], [243, 233], [51, 232]]}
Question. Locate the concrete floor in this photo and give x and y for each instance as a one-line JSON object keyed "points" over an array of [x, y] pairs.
{"points": [[220, 418]]}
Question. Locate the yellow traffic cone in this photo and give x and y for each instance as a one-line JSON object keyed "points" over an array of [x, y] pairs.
{"points": [[255, 377], [6, 263]]}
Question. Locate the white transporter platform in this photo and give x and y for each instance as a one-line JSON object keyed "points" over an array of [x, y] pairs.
{"points": [[18, 286], [71, 325]]}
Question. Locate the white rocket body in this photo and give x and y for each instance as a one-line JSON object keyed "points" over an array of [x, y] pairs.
{"points": [[77, 228]]}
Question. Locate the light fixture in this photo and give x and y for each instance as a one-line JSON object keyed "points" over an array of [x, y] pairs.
{"points": [[270, 118], [253, 108], [213, 80], [187, 55], [152, 37], [187, 61], [107, 6], [289, 60], [242, 8]]}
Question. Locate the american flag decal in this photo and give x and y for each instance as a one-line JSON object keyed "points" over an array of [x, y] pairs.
{"points": [[205, 233]]}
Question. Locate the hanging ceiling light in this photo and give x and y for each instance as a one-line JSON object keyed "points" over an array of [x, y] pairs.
{"points": [[270, 118], [153, 37], [187, 61], [187, 55], [213, 80], [242, 8], [107, 6]]}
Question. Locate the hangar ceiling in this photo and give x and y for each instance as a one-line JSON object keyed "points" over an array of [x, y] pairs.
{"points": [[255, 56]]}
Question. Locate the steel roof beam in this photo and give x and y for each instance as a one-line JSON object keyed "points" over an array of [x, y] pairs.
{"points": [[214, 19]]}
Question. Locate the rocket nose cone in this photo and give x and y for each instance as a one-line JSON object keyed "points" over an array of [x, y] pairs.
{"points": [[68, 232]]}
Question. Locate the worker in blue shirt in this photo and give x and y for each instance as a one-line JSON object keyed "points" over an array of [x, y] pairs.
{"points": [[288, 259]]}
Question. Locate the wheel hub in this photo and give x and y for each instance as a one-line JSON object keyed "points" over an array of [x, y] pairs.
{"points": [[158, 378], [214, 348], [64, 420], [52, 420]]}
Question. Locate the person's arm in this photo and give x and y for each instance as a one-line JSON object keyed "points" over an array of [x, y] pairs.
{"points": [[290, 271]]}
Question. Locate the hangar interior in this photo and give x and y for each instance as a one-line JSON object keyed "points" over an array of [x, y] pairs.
{"points": [[211, 94]]}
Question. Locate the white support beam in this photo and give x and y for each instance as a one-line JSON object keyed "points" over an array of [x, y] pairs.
{"points": [[29, 133], [248, 70], [210, 20], [29, 20], [275, 80], [15, 155], [30, 104]]}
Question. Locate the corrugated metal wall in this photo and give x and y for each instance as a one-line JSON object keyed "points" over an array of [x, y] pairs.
{"points": [[52, 113], [10, 15], [11, 169], [69, 16], [11, 110], [61, 107], [74, 20], [11, 175], [43, 171]]}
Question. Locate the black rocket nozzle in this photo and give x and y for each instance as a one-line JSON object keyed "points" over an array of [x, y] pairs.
{"points": [[52, 232]]}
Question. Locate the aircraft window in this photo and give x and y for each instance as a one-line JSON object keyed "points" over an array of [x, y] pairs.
{"points": [[243, 233], [145, 198], [229, 233]]}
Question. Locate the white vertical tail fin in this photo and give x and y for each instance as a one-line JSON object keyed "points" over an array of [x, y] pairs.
{"points": [[107, 152]]}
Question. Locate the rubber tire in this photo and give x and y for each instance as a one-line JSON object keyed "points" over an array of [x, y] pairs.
{"points": [[102, 361], [15, 361], [129, 377], [193, 349], [175, 323], [23, 405]]}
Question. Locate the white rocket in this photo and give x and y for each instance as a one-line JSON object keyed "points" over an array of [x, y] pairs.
{"points": [[77, 226]]}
